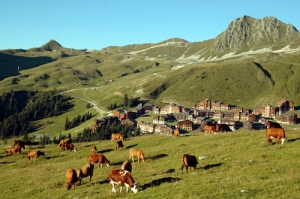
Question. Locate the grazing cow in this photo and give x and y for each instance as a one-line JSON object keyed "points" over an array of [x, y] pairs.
{"points": [[188, 161], [116, 136], [177, 132], [15, 149], [85, 171], [127, 166], [278, 133], [119, 145], [122, 177], [222, 127], [70, 147], [93, 150], [34, 153], [136, 153], [20, 143], [64, 142], [209, 129], [271, 124], [71, 178], [98, 158]]}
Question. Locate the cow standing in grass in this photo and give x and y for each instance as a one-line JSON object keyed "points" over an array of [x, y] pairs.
{"points": [[121, 177], [188, 161], [136, 153], [85, 171], [278, 133], [98, 158], [34, 154], [71, 178]]}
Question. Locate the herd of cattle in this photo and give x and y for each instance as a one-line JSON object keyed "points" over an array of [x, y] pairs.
{"points": [[274, 130], [123, 176]]}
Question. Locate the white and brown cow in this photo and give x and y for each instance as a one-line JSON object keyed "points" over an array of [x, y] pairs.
{"points": [[188, 161], [122, 177], [278, 133]]}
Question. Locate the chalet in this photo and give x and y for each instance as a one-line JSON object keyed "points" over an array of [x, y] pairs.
{"points": [[185, 125], [284, 106], [171, 108], [270, 111], [123, 114], [146, 127], [160, 119], [182, 116], [288, 119], [203, 113], [148, 107], [164, 129], [130, 122]]}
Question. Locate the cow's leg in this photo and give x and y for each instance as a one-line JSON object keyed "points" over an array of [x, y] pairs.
{"points": [[113, 186]]}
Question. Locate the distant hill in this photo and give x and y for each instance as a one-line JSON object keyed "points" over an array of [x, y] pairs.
{"points": [[253, 59]]}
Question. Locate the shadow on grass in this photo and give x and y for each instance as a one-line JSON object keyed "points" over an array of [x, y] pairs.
{"points": [[157, 157], [116, 164], [54, 156], [103, 181], [104, 151], [7, 162], [156, 183], [170, 171], [209, 166], [293, 139], [128, 147]]}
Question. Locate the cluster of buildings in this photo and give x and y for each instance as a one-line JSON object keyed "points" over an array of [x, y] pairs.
{"points": [[193, 118]]}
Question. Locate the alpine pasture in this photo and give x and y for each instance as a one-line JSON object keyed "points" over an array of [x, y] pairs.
{"points": [[238, 164]]}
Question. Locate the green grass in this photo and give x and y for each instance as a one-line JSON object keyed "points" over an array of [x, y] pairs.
{"points": [[239, 165]]}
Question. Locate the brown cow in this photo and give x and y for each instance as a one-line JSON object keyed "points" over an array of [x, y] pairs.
{"points": [[34, 153], [85, 171], [136, 153], [71, 178], [122, 177], [119, 145], [209, 129], [93, 150], [278, 133], [127, 166], [15, 149], [20, 143], [64, 142], [188, 161], [271, 124], [222, 127], [116, 136], [98, 158], [177, 132], [70, 147]]}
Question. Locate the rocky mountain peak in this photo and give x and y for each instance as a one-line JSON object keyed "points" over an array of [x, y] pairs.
{"points": [[249, 32]]}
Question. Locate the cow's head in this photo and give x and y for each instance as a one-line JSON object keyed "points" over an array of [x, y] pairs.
{"points": [[134, 188]]}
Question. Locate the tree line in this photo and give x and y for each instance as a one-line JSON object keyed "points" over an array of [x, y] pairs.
{"points": [[19, 108]]}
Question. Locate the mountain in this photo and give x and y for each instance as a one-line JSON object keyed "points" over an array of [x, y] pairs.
{"points": [[51, 45], [250, 33], [252, 60]]}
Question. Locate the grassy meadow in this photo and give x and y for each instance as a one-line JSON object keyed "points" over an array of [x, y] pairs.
{"points": [[237, 165]]}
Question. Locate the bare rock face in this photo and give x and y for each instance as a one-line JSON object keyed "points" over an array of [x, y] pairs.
{"points": [[247, 32]]}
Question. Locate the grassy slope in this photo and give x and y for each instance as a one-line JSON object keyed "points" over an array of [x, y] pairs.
{"points": [[236, 161]]}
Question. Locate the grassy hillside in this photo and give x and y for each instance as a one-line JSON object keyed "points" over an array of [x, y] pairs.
{"points": [[238, 165]]}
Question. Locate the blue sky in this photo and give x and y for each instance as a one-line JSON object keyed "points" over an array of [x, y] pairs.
{"points": [[96, 24]]}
